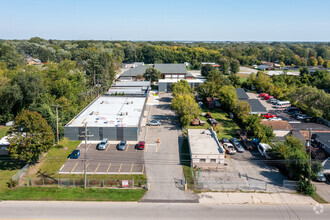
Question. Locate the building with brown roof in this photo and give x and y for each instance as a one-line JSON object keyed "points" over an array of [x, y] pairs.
{"points": [[281, 128]]}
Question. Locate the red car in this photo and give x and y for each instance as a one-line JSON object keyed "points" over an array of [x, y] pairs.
{"points": [[268, 115], [141, 145], [268, 97], [263, 95]]}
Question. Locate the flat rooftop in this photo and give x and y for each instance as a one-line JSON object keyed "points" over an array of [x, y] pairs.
{"points": [[110, 111], [177, 80], [202, 141]]}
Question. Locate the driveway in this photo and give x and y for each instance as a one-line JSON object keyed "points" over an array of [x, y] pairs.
{"points": [[162, 159]]}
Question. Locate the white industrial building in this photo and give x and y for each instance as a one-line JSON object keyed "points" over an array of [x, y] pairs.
{"points": [[204, 148]]}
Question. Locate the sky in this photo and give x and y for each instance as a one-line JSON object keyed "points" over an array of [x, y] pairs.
{"points": [[172, 20]]}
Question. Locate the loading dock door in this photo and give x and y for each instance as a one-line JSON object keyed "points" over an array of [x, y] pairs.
{"points": [[81, 132], [101, 133], [120, 133]]}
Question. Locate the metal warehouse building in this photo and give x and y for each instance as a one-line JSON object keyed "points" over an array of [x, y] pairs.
{"points": [[117, 115]]}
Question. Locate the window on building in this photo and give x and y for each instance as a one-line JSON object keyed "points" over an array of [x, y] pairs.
{"points": [[202, 160], [213, 160]]}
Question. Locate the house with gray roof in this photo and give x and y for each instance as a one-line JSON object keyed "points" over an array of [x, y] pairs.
{"points": [[241, 94], [256, 107]]}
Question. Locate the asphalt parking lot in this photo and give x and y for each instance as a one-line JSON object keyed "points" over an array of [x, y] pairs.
{"points": [[109, 161], [244, 171]]}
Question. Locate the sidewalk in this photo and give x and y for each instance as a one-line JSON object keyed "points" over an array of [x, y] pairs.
{"points": [[255, 198]]}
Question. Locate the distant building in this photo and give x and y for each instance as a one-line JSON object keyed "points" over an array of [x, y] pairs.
{"points": [[264, 67], [212, 64], [323, 139], [204, 148], [281, 128], [168, 71], [164, 85]]}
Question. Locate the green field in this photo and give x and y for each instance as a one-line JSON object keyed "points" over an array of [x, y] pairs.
{"points": [[3, 131], [72, 194], [227, 127]]}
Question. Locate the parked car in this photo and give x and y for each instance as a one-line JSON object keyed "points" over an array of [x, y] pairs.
{"points": [[213, 121], [237, 145], [275, 119], [272, 100], [290, 109], [321, 177], [255, 141], [75, 154], [229, 148], [269, 115], [301, 116], [225, 140], [122, 145], [263, 150], [154, 123], [231, 115], [103, 144], [248, 144], [141, 145], [263, 94], [268, 97], [294, 113]]}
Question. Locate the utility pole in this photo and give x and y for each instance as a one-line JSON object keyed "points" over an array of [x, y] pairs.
{"points": [[310, 147], [57, 135], [85, 154]]}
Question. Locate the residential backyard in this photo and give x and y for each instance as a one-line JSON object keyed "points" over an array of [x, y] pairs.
{"points": [[226, 128]]}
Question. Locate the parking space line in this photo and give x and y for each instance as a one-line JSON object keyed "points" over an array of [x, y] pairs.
{"points": [[120, 168], [142, 168], [131, 168], [108, 168], [74, 167], [127, 147], [87, 166], [157, 147], [147, 147], [97, 168], [88, 146], [107, 147]]}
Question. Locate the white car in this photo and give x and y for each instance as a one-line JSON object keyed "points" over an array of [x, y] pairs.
{"points": [[275, 119], [263, 150]]}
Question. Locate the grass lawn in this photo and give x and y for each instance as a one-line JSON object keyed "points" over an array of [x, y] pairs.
{"points": [[319, 199], [8, 169], [185, 161], [3, 131], [72, 194], [56, 157], [243, 77], [227, 127]]}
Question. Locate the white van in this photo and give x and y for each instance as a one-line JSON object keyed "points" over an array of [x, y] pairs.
{"points": [[263, 150], [283, 104]]}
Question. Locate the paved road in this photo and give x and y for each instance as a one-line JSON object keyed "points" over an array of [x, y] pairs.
{"points": [[145, 211], [162, 160]]}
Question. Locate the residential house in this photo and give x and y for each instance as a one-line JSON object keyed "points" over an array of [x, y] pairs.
{"points": [[281, 128]]}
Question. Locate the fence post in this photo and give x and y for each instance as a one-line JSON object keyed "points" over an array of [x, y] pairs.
{"points": [[74, 182], [43, 181], [133, 183]]}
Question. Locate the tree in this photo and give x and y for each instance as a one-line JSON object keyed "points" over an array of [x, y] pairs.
{"points": [[224, 66], [206, 69], [312, 61], [152, 74], [320, 61], [181, 87], [326, 64], [234, 66], [30, 136], [282, 64]]}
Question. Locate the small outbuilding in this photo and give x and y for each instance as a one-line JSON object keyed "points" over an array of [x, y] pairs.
{"points": [[281, 128], [4, 144], [204, 148]]}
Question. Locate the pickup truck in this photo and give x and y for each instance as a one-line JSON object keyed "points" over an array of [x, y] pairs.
{"points": [[229, 148]]}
